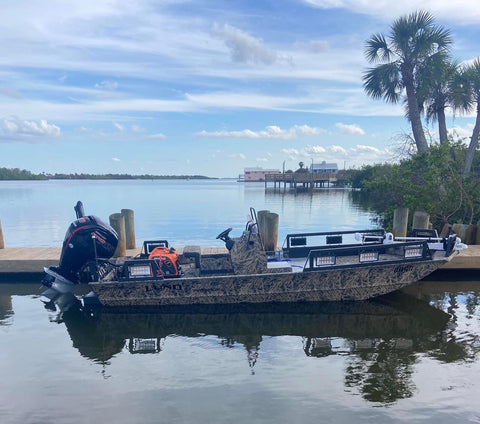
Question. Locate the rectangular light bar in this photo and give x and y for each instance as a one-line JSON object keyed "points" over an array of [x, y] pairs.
{"points": [[325, 260], [136, 271], [371, 256], [413, 252]]}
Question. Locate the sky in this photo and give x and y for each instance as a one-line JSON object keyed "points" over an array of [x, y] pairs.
{"points": [[180, 87]]}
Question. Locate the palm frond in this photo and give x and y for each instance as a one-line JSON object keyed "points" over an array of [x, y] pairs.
{"points": [[377, 49], [383, 81]]}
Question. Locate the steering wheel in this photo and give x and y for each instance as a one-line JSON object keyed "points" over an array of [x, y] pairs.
{"points": [[224, 234]]}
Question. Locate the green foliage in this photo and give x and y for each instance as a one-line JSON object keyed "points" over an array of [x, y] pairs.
{"points": [[22, 174], [19, 174], [430, 181]]}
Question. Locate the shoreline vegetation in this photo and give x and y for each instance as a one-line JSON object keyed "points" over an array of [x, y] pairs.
{"points": [[15, 174]]}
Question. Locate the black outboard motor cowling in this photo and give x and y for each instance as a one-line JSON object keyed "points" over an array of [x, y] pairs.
{"points": [[87, 238]]}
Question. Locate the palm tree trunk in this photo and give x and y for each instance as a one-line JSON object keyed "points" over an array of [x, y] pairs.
{"points": [[442, 126], [414, 112], [473, 144]]}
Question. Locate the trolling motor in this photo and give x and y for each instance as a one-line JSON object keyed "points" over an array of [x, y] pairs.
{"points": [[88, 238]]}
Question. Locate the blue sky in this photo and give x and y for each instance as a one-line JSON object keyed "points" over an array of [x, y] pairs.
{"points": [[202, 87]]}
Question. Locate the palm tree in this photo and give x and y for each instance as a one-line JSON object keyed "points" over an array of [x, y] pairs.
{"points": [[467, 96], [435, 91], [413, 41]]}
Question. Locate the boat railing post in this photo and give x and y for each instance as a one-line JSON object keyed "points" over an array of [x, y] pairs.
{"points": [[117, 222], [2, 243], [129, 217]]}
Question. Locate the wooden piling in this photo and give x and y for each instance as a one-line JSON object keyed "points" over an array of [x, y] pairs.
{"points": [[471, 234], [421, 220], [446, 229], [271, 232], [129, 216], [261, 222], [460, 230], [400, 221], [2, 243], [117, 222]]}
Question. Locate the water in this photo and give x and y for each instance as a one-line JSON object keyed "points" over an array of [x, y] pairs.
{"points": [[37, 213], [410, 357]]}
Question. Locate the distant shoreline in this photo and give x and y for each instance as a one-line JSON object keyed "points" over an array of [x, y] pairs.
{"points": [[7, 174]]}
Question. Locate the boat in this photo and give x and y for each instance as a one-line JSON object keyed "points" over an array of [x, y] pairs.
{"points": [[310, 267]]}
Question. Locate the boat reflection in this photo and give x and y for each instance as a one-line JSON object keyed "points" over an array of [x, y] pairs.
{"points": [[380, 339]]}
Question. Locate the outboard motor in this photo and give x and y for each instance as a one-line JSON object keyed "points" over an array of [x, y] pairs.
{"points": [[87, 239]]}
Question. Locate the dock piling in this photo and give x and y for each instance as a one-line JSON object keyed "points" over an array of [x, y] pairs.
{"points": [[117, 222], [128, 215], [400, 222], [2, 243]]}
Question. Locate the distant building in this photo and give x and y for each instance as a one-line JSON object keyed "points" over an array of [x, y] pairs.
{"points": [[323, 168], [257, 174]]}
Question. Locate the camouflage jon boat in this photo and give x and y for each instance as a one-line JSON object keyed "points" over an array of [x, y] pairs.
{"points": [[311, 267]]}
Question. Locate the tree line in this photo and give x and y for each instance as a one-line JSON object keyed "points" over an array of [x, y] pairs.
{"points": [[22, 174]]}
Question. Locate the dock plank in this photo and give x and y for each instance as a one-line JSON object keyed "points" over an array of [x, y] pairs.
{"points": [[34, 259], [19, 260]]}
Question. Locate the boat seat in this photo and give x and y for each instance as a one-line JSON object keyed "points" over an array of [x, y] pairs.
{"points": [[194, 252]]}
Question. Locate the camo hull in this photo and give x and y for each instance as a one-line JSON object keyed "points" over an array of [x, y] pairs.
{"points": [[335, 284]]}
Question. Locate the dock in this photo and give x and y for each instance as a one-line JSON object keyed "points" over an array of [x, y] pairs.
{"points": [[304, 180], [32, 260]]}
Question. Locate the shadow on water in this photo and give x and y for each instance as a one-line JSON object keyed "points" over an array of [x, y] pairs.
{"points": [[379, 339]]}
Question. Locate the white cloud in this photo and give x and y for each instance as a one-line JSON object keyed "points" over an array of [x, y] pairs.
{"points": [[351, 129], [158, 136], [118, 126], [463, 11], [272, 132], [243, 47], [358, 155], [462, 132], [237, 156], [261, 159], [107, 85], [137, 128], [16, 127], [116, 160]]}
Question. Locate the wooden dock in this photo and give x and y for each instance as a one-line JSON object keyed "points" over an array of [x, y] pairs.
{"points": [[304, 180], [31, 260]]}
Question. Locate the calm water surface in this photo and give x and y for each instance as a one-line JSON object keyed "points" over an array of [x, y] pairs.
{"points": [[412, 357], [184, 212], [405, 358]]}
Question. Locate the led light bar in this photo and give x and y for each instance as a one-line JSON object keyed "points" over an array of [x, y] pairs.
{"points": [[325, 261], [371, 256], [413, 252], [135, 271]]}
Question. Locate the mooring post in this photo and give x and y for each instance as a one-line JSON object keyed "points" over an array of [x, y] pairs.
{"points": [[271, 232], [117, 221], [471, 234], [2, 243], [261, 222], [129, 216], [400, 222], [420, 220], [460, 230]]}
